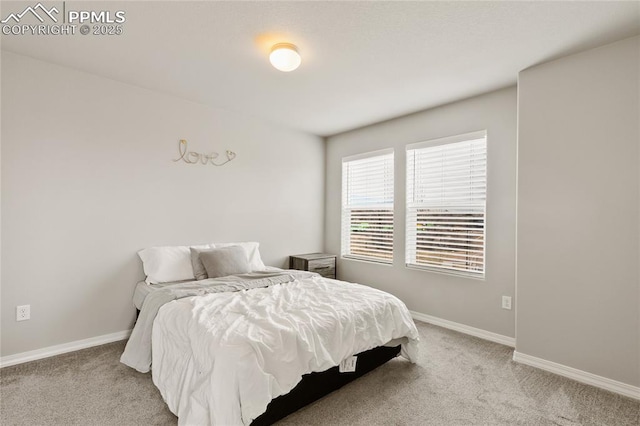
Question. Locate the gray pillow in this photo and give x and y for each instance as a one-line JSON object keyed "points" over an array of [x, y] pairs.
{"points": [[198, 268], [223, 261]]}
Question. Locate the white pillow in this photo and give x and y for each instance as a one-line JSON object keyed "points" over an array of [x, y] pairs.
{"points": [[169, 263], [253, 253]]}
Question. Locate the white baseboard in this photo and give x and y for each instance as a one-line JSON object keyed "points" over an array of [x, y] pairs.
{"points": [[466, 329], [578, 375], [552, 367], [20, 358]]}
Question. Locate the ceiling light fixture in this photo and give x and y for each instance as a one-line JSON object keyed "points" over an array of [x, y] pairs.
{"points": [[285, 57]]}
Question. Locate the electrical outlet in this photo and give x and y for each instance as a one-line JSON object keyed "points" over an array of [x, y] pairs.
{"points": [[506, 302], [23, 312]]}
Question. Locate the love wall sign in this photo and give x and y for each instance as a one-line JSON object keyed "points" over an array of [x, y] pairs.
{"points": [[192, 157]]}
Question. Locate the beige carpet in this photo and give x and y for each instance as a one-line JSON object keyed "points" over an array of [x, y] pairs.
{"points": [[458, 380]]}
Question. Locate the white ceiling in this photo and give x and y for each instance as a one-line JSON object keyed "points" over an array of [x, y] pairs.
{"points": [[363, 62]]}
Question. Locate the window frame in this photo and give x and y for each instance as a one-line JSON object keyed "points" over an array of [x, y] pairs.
{"points": [[410, 206], [345, 236]]}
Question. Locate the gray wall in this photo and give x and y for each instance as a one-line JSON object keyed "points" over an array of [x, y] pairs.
{"points": [[87, 180], [472, 302], [578, 222]]}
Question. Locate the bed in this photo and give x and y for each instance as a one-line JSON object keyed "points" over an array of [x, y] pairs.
{"points": [[252, 347]]}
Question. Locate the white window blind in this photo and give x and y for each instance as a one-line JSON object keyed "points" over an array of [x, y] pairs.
{"points": [[446, 204], [367, 206]]}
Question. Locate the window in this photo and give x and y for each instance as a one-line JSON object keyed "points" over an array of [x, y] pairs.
{"points": [[446, 200], [367, 206]]}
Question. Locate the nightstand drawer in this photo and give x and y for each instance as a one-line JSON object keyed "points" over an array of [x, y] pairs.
{"points": [[321, 263], [324, 267]]}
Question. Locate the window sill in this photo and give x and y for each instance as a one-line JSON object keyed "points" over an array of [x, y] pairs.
{"points": [[365, 260], [475, 277]]}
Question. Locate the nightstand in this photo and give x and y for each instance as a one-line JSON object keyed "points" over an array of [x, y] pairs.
{"points": [[322, 263]]}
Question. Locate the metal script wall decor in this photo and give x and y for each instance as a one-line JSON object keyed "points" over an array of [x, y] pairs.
{"points": [[191, 157]]}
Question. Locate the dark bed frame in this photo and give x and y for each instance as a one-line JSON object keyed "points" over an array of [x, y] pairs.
{"points": [[314, 386]]}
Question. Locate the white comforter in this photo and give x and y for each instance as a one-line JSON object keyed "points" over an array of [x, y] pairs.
{"points": [[220, 359]]}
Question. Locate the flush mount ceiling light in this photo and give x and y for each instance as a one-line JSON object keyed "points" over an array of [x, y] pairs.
{"points": [[285, 57]]}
